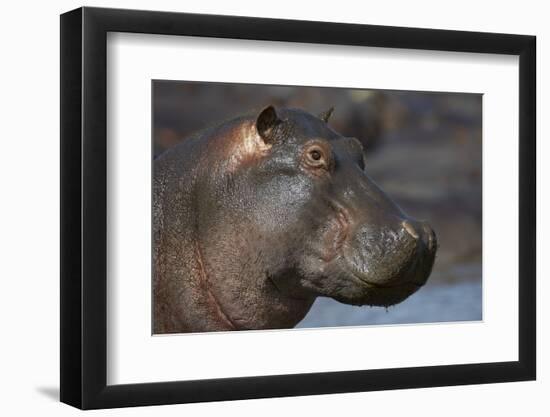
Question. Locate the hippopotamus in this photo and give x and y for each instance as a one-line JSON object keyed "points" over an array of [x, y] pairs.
{"points": [[255, 218]]}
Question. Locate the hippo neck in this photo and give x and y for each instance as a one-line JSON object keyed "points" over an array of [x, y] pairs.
{"points": [[203, 280], [245, 299], [182, 301]]}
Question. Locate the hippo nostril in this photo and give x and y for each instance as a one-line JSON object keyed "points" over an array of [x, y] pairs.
{"points": [[409, 228], [430, 238], [421, 231]]}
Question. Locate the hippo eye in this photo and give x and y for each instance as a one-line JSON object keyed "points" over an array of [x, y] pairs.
{"points": [[315, 157]]}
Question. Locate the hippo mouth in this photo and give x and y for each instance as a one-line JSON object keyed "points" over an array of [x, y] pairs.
{"points": [[411, 270], [381, 294], [362, 280]]}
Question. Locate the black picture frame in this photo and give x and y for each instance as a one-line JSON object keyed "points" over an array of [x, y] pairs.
{"points": [[84, 207]]}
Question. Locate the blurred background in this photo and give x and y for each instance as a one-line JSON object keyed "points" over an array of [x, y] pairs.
{"points": [[423, 149]]}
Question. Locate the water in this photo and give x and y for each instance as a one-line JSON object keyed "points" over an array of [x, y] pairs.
{"points": [[438, 302]]}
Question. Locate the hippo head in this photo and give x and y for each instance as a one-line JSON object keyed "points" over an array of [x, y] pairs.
{"points": [[316, 224]]}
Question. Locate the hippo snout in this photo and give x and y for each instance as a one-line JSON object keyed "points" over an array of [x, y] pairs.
{"points": [[386, 259]]}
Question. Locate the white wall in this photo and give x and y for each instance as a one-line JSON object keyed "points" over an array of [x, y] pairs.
{"points": [[29, 210]]}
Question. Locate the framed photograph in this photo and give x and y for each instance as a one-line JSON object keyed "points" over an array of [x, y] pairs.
{"points": [[257, 208]]}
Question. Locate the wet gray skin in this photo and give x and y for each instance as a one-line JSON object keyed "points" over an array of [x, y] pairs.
{"points": [[255, 218]]}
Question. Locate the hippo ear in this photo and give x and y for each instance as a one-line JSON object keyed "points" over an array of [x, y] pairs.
{"points": [[265, 123], [326, 115]]}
